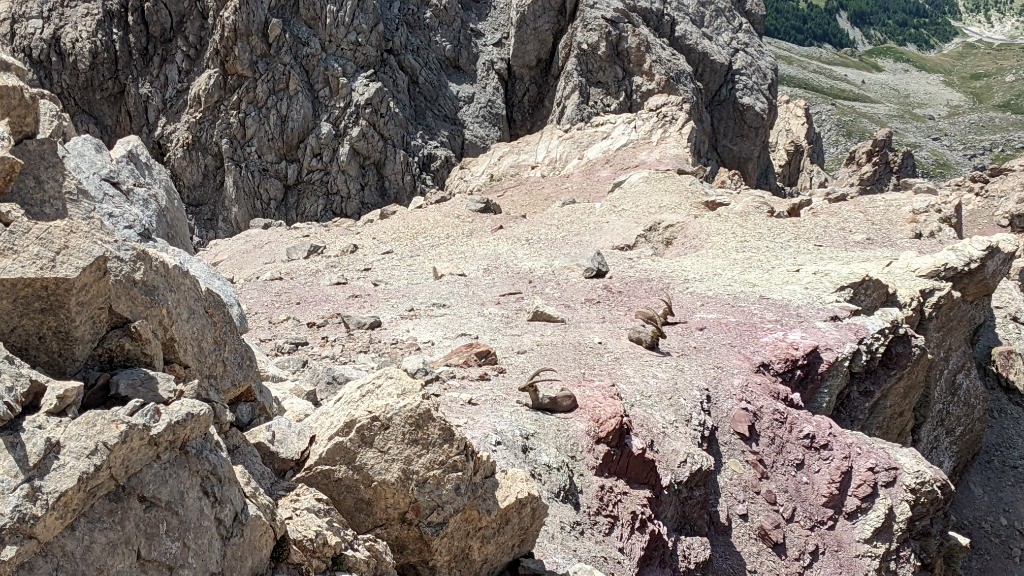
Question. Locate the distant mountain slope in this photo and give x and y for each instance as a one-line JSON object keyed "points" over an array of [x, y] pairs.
{"points": [[957, 110], [922, 23], [994, 18]]}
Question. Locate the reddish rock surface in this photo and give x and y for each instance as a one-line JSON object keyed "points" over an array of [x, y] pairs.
{"points": [[714, 454]]}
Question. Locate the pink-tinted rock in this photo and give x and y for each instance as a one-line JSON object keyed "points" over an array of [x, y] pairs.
{"points": [[472, 355]]}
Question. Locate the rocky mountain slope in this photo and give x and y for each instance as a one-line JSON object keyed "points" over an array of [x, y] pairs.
{"points": [[309, 111], [595, 349]]}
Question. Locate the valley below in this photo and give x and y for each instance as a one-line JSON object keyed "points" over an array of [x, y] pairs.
{"points": [[958, 109]]}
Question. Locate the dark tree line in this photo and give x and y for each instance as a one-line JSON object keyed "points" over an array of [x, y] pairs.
{"points": [[922, 23], [804, 24]]}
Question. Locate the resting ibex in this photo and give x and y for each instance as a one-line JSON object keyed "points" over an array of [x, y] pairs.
{"points": [[560, 402], [652, 319], [666, 310], [650, 332]]}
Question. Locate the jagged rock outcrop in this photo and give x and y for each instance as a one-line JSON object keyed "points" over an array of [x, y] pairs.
{"points": [[144, 489], [397, 469], [911, 378], [308, 111], [875, 166], [796, 147], [74, 304], [129, 189], [89, 283], [319, 538], [120, 467], [886, 501]]}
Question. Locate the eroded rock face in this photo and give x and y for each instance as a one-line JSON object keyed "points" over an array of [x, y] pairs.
{"points": [[305, 112], [796, 147], [875, 166], [911, 378], [869, 506], [395, 467]]}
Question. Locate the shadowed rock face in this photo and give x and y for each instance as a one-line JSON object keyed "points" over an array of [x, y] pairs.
{"points": [[316, 109]]}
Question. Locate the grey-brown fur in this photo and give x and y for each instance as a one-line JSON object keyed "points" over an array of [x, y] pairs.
{"points": [[560, 402]]}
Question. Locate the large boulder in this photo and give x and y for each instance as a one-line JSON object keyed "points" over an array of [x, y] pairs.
{"points": [[140, 489], [295, 112], [67, 297], [396, 468], [128, 189]]}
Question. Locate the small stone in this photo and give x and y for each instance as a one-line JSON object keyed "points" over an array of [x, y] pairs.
{"points": [[265, 224], [327, 381], [742, 423], [272, 276], [389, 211], [1008, 365], [567, 201], [540, 312], [246, 414], [290, 364], [472, 355], [305, 250], [295, 409], [417, 367], [584, 570], [281, 443], [297, 340], [417, 202], [591, 265], [274, 29], [788, 511], [336, 280], [347, 249], [370, 217], [644, 336], [442, 270], [771, 529], [62, 398], [145, 385], [482, 205], [769, 497], [361, 322]]}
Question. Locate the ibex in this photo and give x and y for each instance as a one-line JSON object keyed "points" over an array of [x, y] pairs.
{"points": [[560, 402], [666, 310], [652, 319]]}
